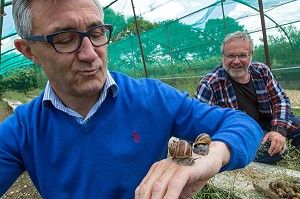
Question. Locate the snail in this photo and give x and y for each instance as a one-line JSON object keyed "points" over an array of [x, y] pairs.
{"points": [[281, 193], [285, 189], [201, 145], [181, 151]]}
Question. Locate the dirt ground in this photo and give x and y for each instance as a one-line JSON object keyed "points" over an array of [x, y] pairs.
{"points": [[23, 187]]}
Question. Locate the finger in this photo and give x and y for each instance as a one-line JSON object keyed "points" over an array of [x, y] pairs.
{"points": [[155, 182], [276, 147], [272, 150], [153, 167], [136, 193], [160, 186], [284, 148], [265, 139], [143, 186], [176, 185], [280, 144]]}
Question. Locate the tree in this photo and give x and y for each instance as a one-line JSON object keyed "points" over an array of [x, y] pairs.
{"points": [[117, 20], [125, 27], [215, 31], [20, 79], [282, 52]]}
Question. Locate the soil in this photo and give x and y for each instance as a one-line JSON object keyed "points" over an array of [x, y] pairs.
{"points": [[23, 187]]}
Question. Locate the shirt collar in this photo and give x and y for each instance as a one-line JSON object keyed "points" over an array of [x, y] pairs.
{"points": [[223, 74], [50, 95]]}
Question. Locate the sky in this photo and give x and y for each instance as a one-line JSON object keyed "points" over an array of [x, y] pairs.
{"points": [[156, 10]]}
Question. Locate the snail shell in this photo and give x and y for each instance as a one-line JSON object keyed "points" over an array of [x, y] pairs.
{"points": [[180, 149], [203, 138], [201, 145]]}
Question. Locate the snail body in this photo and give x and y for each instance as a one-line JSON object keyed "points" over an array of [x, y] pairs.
{"points": [[181, 151], [201, 144]]}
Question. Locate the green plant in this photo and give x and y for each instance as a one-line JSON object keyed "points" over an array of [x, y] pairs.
{"points": [[211, 192], [21, 96], [5, 110]]}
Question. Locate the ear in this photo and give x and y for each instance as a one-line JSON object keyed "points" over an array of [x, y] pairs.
{"points": [[24, 47]]}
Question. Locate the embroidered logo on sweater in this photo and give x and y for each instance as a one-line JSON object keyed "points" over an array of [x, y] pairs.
{"points": [[136, 137]]}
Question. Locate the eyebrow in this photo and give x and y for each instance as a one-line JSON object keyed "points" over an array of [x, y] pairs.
{"points": [[59, 28], [237, 53], [95, 24]]}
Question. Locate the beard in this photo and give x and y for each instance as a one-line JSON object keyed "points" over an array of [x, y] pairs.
{"points": [[237, 74], [234, 73]]}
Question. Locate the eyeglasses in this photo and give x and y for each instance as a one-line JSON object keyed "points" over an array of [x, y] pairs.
{"points": [[70, 40], [240, 56]]}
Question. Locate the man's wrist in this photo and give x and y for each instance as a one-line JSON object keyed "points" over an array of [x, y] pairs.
{"points": [[279, 129], [222, 149]]}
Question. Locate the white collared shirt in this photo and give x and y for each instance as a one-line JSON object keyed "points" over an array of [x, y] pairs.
{"points": [[50, 95]]}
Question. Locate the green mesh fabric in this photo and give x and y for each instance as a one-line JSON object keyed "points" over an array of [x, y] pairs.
{"points": [[189, 46]]}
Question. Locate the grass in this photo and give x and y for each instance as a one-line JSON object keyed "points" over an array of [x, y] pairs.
{"points": [[211, 192], [5, 110], [296, 112], [23, 97]]}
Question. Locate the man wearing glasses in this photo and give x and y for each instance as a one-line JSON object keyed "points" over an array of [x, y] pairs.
{"points": [[251, 87], [99, 134]]}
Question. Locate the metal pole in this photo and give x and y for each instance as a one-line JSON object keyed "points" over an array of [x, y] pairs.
{"points": [[109, 5], [224, 19], [140, 42], [170, 47], [263, 27], [2, 14]]}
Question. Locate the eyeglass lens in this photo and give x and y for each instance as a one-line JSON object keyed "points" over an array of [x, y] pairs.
{"points": [[233, 56], [70, 41]]}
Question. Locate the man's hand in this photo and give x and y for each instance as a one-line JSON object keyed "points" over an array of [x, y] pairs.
{"points": [[168, 180], [278, 143]]}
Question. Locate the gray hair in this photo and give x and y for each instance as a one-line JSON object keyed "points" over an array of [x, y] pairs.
{"points": [[22, 14], [238, 35]]}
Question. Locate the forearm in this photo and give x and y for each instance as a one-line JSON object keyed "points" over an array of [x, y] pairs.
{"points": [[220, 150], [243, 136], [219, 153]]}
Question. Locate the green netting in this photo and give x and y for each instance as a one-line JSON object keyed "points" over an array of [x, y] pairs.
{"points": [[189, 45]]}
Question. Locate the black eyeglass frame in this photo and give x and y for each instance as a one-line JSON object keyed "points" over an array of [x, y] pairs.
{"points": [[49, 38], [240, 56]]}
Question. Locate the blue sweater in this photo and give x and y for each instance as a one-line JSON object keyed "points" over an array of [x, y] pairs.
{"points": [[109, 156]]}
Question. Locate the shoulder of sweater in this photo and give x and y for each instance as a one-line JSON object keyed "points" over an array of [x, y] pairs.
{"points": [[143, 85], [121, 77]]}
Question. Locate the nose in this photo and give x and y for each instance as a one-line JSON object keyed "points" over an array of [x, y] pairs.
{"points": [[87, 51], [236, 59]]}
